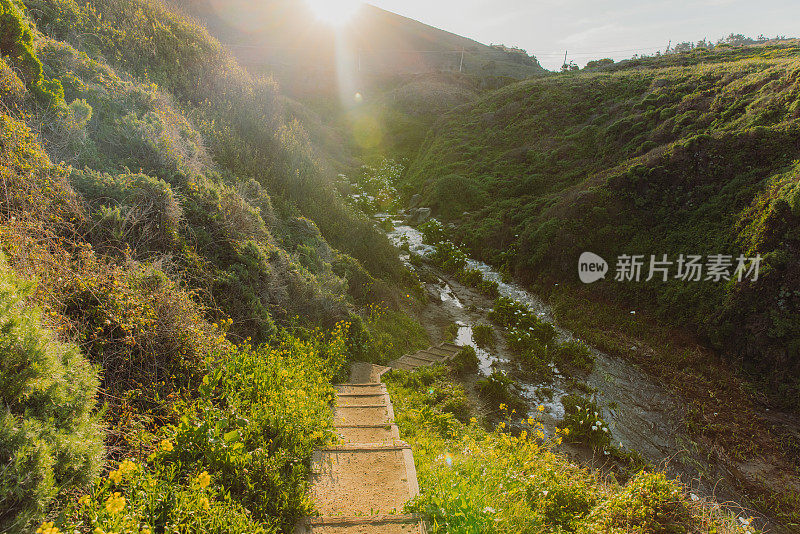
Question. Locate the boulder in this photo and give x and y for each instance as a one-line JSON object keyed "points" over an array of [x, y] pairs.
{"points": [[418, 215]]}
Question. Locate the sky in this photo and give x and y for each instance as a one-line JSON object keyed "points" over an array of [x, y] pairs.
{"points": [[594, 29]]}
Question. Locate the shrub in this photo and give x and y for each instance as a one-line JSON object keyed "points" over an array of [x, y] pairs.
{"points": [[451, 332], [520, 322], [574, 355], [649, 503], [433, 232], [498, 389], [238, 460], [465, 361], [490, 288], [470, 277], [536, 360], [16, 41], [483, 335], [585, 423], [50, 438], [449, 258], [133, 209]]}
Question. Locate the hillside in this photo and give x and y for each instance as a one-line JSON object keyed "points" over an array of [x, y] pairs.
{"points": [[685, 159], [284, 39]]}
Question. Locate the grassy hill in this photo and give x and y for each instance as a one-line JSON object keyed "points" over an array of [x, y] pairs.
{"points": [[696, 158]]}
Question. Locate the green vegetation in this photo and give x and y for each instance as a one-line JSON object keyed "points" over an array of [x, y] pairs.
{"points": [[184, 246], [452, 260], [474, 480], [692, 155], [50, 436], [237, 460], [465, 361], [483, 335], [584, 422], [499, 389]]}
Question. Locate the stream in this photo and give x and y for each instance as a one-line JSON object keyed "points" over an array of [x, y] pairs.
{"points": [[643, 415]]}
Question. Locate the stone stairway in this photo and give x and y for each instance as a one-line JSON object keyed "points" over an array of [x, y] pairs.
{"points": [[435, 354], [361, 485]]}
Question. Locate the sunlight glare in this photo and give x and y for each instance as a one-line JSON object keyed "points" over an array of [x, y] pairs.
{"points": [[334, 12]]}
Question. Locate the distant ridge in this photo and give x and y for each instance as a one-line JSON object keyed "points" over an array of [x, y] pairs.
{"points": [[284, 38]]}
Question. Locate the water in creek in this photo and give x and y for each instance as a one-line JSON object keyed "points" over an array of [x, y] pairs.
{"points": [[643, 416]]}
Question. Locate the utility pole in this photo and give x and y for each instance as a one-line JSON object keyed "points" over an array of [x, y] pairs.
{"points": [[565, 57], [669, 46], [461, 65]]}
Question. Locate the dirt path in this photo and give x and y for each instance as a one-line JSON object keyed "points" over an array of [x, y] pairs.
{"points": [[361, 485]]}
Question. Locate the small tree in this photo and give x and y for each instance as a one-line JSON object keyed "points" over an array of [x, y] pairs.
{"points": [[50, 439]]}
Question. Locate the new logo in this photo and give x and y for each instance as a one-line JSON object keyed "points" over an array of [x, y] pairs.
{"points": [[591, 267]]}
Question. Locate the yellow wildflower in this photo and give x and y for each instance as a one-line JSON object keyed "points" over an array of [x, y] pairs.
{"points": [[98, 530], [146, 531], [115, 476], [127, 467], [502, 406], [473, 420], [84, 500], [115, 503], [541, 407], [204, 504], [47, 528], [204, 479], [166, 445], [566, 431], [501, 426], [523, 435]]}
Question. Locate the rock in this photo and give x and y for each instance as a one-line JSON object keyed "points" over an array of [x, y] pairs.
{"points": [[419, 215]]}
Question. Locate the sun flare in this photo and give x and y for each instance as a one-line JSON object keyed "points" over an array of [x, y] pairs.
{"points": [[334, 12]]}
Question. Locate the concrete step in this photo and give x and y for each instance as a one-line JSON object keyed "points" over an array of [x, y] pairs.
{"points": [[440, 352], [361, 399], [368, 433], [364, 389], [362, 373], [428, 357], [379, 414], [367, 447], [419, 361], [452, 347], [365, 481], [386, 524], [401, 364]]}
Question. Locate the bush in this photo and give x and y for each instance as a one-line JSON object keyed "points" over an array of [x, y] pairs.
{"points": [[465, 361], [16, 41], [573, 355], [584, 422], [449, 258], [133, 209], [483, 335], [520, 322], [650, 504], [451, 332], [50, 437], [238, 460], [500, 390]]}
